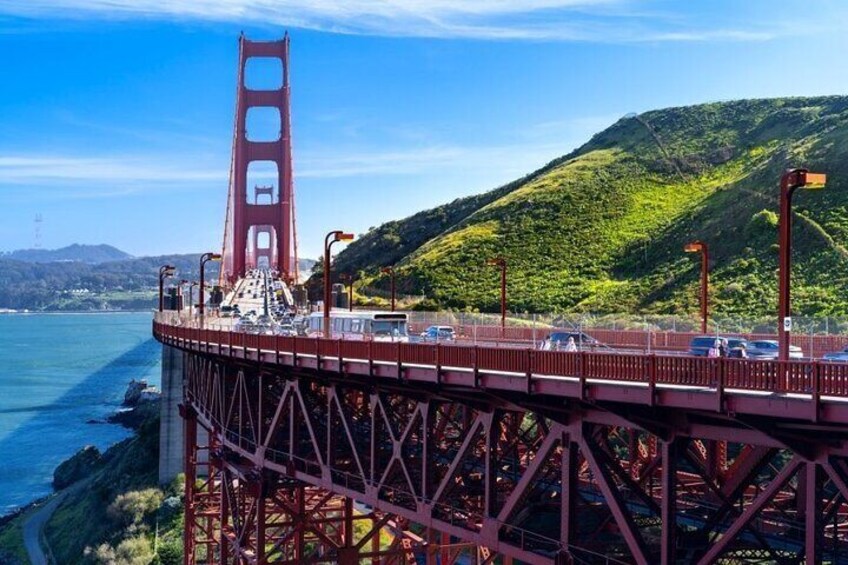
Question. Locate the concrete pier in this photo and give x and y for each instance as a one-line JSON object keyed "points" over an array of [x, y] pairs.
{"points": [[171, 441]]}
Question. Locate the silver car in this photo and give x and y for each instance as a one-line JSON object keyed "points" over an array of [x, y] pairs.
{"points": [[839, 356], [768, 349]]}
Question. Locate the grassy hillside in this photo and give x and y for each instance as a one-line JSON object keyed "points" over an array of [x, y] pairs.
{"points": [[602, 229]]}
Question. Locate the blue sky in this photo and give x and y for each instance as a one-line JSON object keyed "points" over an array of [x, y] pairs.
{"points": [[117, 114]]}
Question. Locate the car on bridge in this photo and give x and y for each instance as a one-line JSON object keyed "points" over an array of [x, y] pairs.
{"points": [[840, 356], [768, 349], [438, 333], [557, 341], [700, 346]]}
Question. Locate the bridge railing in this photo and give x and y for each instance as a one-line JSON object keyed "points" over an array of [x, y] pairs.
{"points": [[815, 336], [791, 377], [485, 331]]}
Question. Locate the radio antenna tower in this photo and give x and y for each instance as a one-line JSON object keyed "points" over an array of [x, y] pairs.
{"points": [[38, 221]]}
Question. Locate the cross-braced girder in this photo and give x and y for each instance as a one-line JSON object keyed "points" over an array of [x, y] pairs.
{"points": [[572, 485]]}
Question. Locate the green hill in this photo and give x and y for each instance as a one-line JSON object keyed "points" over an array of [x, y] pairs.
{"points": [[602, 229]]}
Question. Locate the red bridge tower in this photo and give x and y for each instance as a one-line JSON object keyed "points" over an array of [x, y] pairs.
{"points": [[248, 220]]}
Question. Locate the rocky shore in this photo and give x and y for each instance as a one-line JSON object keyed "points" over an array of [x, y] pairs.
{"points": [[81, 523], [141, 401]]}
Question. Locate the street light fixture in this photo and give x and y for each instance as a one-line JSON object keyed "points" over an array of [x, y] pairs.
{"points": [[391, 272], [500, 262], [206, 257], [165, 271], [791, 180], [701, 247], [329, 240]]}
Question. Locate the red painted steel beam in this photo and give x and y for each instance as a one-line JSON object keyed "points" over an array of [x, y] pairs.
{"points": [[622, 515], [748, 514], [668, 513]]}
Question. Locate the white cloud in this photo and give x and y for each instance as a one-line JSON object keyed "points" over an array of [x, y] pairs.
{"points": [[105, 176], [29, 169], [539, 20]]}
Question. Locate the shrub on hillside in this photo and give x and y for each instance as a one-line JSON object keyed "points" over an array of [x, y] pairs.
{"points": [[169, 553], [131, 551], [131, 508]]}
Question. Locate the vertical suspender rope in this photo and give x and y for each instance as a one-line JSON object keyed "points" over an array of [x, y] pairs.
{"points": [[227, 223]]}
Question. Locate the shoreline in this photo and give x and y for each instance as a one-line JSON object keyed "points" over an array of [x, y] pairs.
{"points": [[54, 312], [125, 417]]}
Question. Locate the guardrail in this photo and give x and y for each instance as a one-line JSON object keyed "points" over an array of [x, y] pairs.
{"points": [[673, 342], [788, 377]]}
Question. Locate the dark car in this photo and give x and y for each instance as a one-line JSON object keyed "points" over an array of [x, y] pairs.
{"points": [[700, 346], [558, 340]]}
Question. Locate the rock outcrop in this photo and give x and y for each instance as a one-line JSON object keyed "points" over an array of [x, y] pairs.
{"points": [[79, 466], [139, 392]]}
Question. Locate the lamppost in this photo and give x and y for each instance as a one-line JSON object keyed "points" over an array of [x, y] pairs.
{"points": [[329, 240], [698, 246], [165, 271], [191, 296], [183, 282], [501, 263], [791, 180], [391, 272], [201, 299], [349, 279]]}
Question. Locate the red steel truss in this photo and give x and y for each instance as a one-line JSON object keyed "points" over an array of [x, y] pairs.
{"points": [[237, 513], [521, 471]]}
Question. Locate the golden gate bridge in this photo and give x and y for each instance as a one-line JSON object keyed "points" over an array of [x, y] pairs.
{"points": [[323, 450]]}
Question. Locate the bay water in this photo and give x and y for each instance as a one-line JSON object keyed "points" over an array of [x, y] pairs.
{"points": [[58, 372]]}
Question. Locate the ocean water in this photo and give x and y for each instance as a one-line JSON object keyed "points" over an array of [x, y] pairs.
{"points": [[57, 372]]}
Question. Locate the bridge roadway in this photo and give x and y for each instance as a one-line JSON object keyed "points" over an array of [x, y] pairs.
{"points": [[814, 391], [764, 405]]}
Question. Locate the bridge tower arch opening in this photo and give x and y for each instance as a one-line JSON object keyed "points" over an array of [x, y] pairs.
{"points": [[264, 238], [266, 162]]}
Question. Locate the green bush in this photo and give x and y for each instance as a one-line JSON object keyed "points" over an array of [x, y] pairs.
{"points": [[170, 553], [132, 507], [131, 551]]}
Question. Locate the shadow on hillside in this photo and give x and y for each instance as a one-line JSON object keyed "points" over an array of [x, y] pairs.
{"points": [[30, 453]]}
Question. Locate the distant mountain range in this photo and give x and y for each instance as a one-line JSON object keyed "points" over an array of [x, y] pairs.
{"points": [[91, 277], [91, 254]]}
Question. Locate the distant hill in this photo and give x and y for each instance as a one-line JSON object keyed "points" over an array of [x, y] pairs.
{"points": [[306, 264], [91, 254], [73, 285], [129, 283], [602, 229]]}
